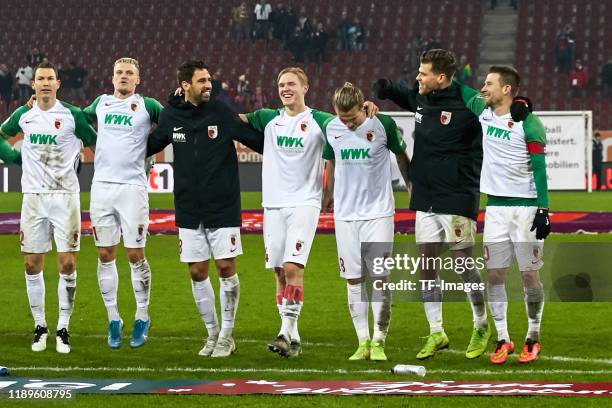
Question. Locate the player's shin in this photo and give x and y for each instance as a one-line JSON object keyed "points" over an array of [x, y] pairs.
{"points": [[66, 291], [476, 297], [358, 307], [292, 306], [35, 286], [534, 305], [229, 296], [141, 285], [498, 303], [108, 281], [381, 310], [432, 301], [204, 297]]}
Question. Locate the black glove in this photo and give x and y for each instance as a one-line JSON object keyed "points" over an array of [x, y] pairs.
{"points": [[382, 88], [520, 108], [541, 223]]}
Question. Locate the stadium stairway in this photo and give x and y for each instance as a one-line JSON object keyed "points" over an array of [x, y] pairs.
{"points": [[497, 39]]}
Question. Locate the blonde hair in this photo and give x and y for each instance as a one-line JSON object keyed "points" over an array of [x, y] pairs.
{"points": [[299, 72], [127, 60], [347, 97]]}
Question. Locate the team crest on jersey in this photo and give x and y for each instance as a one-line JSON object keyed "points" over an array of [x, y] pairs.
{"points": [[299, 247], [536, 252], [58, 123], [458, 232], [445, 117], [134, 106], [304, 126], [510, 124], [212, 132], [75, 239], [233, 239], [370, 136]]}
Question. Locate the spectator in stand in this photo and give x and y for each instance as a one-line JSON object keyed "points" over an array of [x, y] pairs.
{"points": [[318, 43], [579, 79], [77, 74], [304, 23], [606, 78], [597, 160], [259, 100], [216, 84], [297, 45], [564, 49], [342, 33], [357, 36], [262, 24], [291, 21], [241, 22], [242, 99], [6, 86], [35, 57], [464, 74], [24, 82], [277, 20]]}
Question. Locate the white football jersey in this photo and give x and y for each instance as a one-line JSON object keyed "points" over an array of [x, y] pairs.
{"points": [[123, 128], [362, 175], [292, 166], [51, 146], [506, 167]]}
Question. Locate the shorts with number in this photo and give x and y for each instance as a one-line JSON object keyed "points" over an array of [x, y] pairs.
{"points": [[288, 234], [118, 209], [457, 231], [367, 240], [56, 215], [196, 245], [508, 235]]}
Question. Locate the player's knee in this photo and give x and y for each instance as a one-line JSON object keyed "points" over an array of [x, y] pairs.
{"points": [[531, 279], [135, 254], [225, 268], [67, 266], [106, 254], [32, 267], [356, 281], [292, 270], [198, 271]]}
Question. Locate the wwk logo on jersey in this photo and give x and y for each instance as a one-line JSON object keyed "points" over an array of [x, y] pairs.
{"points": [[289, 142], [117, 120], [37, 138], [445, 117], [179, 137], [354, 154], [498, 133], [213, 132]]}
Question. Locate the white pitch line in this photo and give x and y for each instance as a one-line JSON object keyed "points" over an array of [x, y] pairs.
{"points": [[564, 359], [297, 370]]}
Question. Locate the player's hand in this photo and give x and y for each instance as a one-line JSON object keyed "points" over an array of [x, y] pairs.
{"points": [[328, 203], [382, 88], [541, 223], [149, 163], [520, 108], [178, 91], [30, 102], [370, 108]]}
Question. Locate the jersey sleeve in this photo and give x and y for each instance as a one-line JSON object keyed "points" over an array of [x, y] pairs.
{"points": [[535, 136], [90, 111], [403, 96], [82, 128], [395, 142], [328, 151], [472, 98], [160, 137], [7, 153], [260, 118], [10, 126], [154, 108], [322, 119]]}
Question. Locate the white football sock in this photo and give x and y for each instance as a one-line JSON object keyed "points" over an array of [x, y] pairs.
{"points": [[141, 285], [35, 287], [358, 308], [381, 310], [108, 281], [432, 299], [498, 303], [229, 296], [534, 305], [204, 297], [292, 307], [66, 291], [476, 297]]}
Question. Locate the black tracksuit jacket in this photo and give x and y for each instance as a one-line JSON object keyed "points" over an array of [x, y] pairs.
{"points": [[447, 157], [206, 183]]}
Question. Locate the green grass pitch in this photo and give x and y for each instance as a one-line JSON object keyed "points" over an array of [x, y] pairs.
{"points": [[576, 337]]}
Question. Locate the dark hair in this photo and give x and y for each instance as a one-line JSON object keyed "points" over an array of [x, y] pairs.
{"points": [[185, 72], [45, 64], [442, 61], [507, 76]]}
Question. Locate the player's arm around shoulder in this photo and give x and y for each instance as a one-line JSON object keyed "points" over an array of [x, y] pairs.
{"points": [[244, 132], [162, 135], [330, 165], [260, 118], [472, 98], [90, 110], [153, 107], [82, 128]]}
